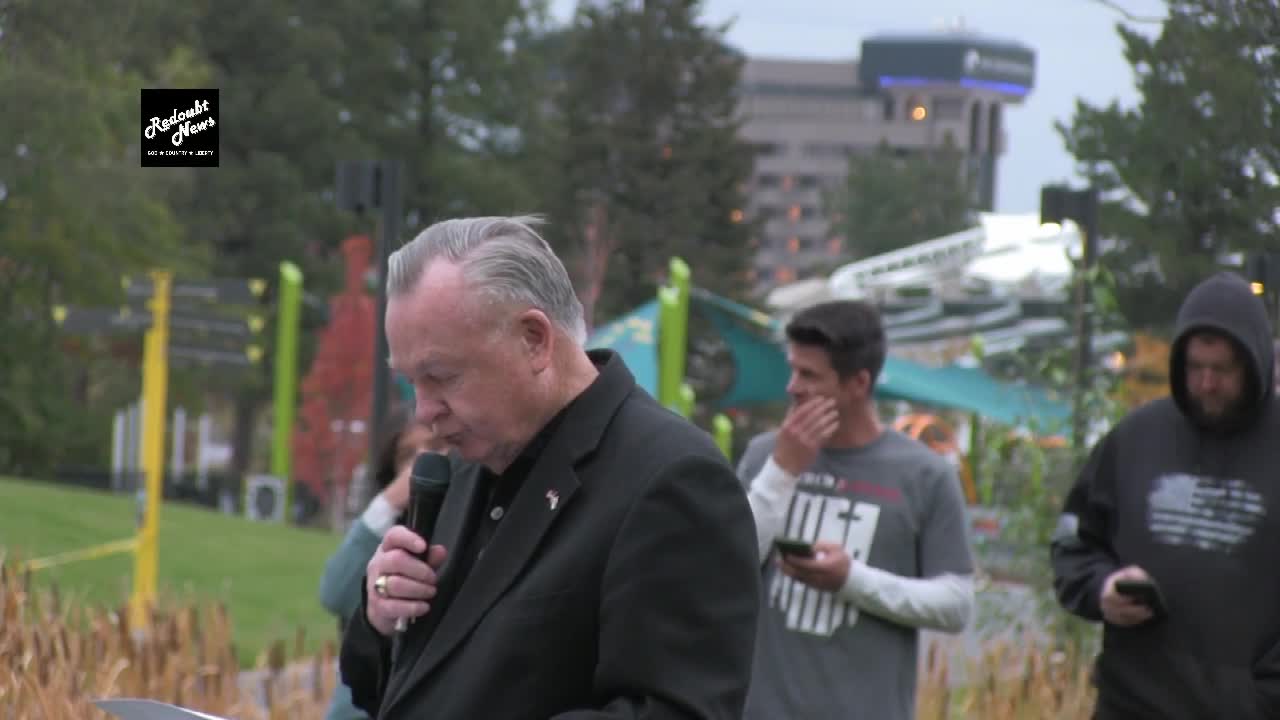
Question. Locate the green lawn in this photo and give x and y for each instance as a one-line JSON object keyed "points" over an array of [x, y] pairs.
{"points": [[267, 574]]}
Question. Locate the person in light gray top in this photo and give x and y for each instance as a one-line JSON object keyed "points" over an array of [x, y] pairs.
{"points": [[885, 518], [342, 581]]}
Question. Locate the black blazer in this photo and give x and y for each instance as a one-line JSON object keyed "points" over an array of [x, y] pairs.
{"points": [[634, 595]]}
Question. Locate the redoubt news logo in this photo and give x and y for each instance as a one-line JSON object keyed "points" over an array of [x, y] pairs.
{"points": [[179, 128]]}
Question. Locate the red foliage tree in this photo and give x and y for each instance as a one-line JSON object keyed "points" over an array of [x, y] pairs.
{"points": [[331, 437]]}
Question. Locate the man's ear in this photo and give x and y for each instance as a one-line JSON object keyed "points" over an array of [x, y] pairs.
{"points": [[537, 338], [858, 385]]}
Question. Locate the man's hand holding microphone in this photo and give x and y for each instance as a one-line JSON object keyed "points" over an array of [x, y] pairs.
{"points": [[400, 583], [403, 575]]}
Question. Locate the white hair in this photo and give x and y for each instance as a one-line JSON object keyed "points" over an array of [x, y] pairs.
{"points": [[502, 257]]}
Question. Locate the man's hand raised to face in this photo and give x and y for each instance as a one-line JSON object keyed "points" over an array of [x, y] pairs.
{"points": [[806, 428]]}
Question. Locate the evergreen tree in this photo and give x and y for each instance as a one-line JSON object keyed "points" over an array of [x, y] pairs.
{"points": [[439, 86], [891, 200], [1193, 171], [651, 164], [77, 212]]}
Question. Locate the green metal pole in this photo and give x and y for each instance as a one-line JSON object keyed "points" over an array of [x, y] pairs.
{"points": [[684, 403], [722, 430], [673, 334], [667, 319], [286, 381]]}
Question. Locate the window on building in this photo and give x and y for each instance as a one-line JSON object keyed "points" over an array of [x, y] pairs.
{"points": [[993, 129], [794, 213], [767, 181], [764, 149], [975, 126], [824, 149], [948, 108], [784, 274]]}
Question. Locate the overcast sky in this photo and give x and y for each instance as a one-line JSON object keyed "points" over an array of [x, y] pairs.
{"points": [[1079, 55]]}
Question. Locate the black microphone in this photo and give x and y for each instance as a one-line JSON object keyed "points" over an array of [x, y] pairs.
{"points": [[428, 484]]}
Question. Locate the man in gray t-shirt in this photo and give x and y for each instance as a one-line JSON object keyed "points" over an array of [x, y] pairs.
{"points": [[886, 521]]}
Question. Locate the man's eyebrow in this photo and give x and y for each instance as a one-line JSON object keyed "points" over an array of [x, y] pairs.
{"points": [[423, 366]]}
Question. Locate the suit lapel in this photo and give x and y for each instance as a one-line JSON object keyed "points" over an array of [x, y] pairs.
{"points": [[540, 501], [451, 525]]}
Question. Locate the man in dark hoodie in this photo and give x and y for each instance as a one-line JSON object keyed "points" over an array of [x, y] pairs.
{"points": [[1185, 493]]}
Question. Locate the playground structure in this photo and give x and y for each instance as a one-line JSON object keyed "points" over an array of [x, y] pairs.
{"points": [[673, 391], [760, 373], [1004, 282]]}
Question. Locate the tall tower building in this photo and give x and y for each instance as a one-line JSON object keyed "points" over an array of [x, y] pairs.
{"points": [[913, 92]]}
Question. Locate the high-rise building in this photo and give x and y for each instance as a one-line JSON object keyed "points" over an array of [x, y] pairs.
{"points": [[912, 92]]}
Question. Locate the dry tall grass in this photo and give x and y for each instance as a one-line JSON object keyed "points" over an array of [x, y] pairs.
{"points": [[1010, 682], [55, 659]]}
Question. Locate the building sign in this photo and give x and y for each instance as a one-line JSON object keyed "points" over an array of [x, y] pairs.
{"points": [[979, 64], [890, 61]]}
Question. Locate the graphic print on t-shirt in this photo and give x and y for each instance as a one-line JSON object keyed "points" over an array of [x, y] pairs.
{"points": [[1208, 513], [817, 514]]}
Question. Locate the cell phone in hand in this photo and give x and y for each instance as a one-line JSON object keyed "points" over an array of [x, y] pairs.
{"points": [[793, 548], [1145, 592]]}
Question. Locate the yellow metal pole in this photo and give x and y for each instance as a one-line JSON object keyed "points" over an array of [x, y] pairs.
{"points": [[155, 380]]}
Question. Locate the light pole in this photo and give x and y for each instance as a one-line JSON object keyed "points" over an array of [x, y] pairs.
{"points": [[365, 185], [1263, 270], [1058, 203]]}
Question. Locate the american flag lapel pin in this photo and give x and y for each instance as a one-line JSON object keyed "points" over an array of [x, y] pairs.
{"points": [[553, 499]]}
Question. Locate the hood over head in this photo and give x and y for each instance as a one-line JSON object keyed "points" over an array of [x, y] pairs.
{"points": [[1224, 303]]}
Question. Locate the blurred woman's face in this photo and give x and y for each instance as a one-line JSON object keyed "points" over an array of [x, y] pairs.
{"points": [[416, 439]]}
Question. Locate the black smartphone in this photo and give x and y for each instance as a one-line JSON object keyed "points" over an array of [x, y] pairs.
{"points": [[791, 546], [1145, 592]]}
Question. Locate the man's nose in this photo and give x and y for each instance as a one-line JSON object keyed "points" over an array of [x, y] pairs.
{"points": [[429, 409], [1206, 384]]}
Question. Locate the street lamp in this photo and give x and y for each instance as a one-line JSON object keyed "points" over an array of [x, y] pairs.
{"points": [[1263, 272], [1058, 203], [364, 185]]}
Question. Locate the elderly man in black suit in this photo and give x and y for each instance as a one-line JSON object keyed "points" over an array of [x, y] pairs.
{"points": [[595, 556]]}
